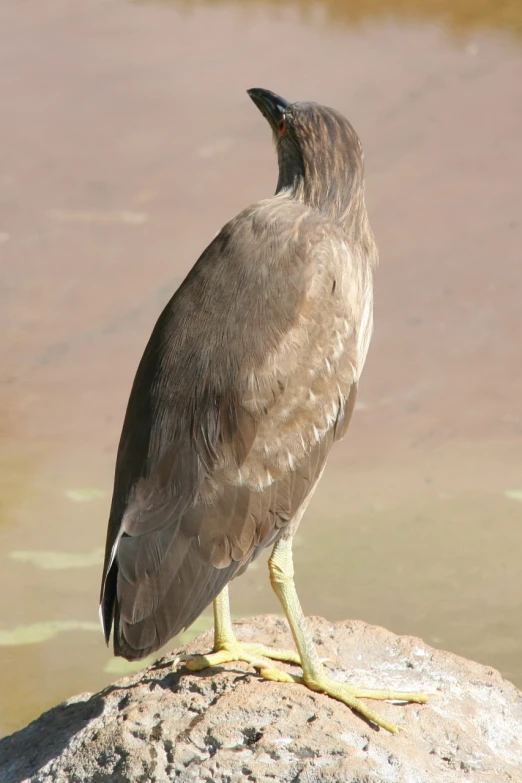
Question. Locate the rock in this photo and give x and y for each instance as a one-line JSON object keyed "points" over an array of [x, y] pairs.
{"points": [[228, 725]]}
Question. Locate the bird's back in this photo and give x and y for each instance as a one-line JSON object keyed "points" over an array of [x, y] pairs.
{"points": [[248, 378]]}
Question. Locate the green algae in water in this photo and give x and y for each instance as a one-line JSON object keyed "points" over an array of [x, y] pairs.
{"points": [[84, 495], [42, 632], [514, 494], [58, 561], [121, 666]]}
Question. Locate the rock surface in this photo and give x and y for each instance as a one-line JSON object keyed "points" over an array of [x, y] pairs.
{"points": [[226, 724]]}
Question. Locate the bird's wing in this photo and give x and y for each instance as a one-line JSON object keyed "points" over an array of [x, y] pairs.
{"points": [[248, 377]]}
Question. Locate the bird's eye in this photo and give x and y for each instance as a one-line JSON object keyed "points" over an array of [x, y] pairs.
{"points": [[282, 127]]}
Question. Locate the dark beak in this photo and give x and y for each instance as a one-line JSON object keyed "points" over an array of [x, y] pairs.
{"points": [[270, 105]]}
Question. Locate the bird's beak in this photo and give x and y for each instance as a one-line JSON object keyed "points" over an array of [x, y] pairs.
{"points": [[271, 106]]}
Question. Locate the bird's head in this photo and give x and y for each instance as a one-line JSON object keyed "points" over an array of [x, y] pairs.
{"points": [[320, 155]]}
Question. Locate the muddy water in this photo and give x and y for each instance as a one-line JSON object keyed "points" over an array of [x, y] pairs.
{"points": [[127, 140]]}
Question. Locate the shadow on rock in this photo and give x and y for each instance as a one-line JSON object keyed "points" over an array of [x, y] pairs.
{"points": [[28, 750]]}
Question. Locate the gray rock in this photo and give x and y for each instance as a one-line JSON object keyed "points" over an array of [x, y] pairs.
{"points": [[226, 724]]}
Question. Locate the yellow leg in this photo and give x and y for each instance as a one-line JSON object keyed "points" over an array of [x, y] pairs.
{"points": [[314, 675], [228, 649]]}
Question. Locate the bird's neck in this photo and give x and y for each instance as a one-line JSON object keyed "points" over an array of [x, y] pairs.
{"points": [[341, 202]]}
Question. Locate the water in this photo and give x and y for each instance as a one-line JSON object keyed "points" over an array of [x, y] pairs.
{"points": [[127, 141]]}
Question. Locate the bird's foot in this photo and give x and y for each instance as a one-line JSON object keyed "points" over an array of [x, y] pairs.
{"points": [[348, 694], [230, 651]]}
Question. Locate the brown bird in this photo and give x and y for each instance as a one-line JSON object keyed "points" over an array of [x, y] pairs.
{"points": [[248, 379]]}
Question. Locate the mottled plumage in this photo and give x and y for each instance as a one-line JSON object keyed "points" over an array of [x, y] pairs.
{"points": [[249, 377]]}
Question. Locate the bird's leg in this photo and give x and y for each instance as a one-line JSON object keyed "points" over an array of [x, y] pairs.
{"points": [[227, 648], [314, 674]]}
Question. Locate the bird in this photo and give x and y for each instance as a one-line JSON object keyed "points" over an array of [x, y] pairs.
{"points": [[248, 379]]}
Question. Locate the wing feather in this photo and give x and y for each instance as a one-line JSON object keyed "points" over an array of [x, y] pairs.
{"points": [[229, 422]]}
